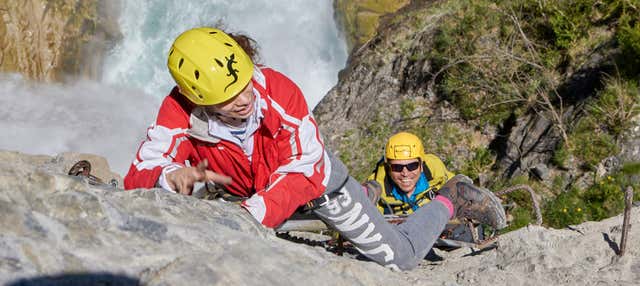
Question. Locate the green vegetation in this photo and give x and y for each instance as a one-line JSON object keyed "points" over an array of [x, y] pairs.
{"points": [[602, 200], [441, 139], [607, 116], [567, 208], [521, 218], [560, 157], [496, 59], [504, 57], [407, 107], [628, 33], [519, 203], [364, 147], [360, 18], [481, 162], [591, 145], [485, 80], [616, 105]]}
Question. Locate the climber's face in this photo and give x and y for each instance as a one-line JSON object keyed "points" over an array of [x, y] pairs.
{"points": [[405, 173], [240, 106]]}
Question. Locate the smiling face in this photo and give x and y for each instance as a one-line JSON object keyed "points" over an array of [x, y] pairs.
{"points": [[402, 176], [238, 107]]}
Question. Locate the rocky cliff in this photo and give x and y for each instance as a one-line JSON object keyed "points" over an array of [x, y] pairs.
{"points": [[385, 88], [505, 92], [59, 230], [48, 40], [360, 19], [56, 226]]}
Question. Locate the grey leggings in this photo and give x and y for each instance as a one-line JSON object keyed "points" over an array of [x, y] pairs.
{"points": [[358, 220]]}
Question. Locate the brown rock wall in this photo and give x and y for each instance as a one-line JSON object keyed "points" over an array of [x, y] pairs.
{"points": [[46, 40], [360, 19]]}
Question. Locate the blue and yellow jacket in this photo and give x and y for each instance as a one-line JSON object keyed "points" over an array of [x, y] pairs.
{"points": [[394, 201]]}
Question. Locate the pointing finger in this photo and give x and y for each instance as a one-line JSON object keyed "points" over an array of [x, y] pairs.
{"points": [[217, 178]]}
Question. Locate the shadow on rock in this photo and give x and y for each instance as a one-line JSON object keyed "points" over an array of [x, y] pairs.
{"points": [[611, 243], [77, 279]]}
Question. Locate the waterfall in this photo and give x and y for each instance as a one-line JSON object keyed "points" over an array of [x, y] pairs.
{"points": [[109, 117], [298, 38]]}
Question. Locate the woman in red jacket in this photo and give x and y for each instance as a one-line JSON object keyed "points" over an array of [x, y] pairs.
{"points": [[249, 129]]}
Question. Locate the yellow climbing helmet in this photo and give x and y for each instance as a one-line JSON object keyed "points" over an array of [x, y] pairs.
{"points": [[209, 66], [403, 146]]}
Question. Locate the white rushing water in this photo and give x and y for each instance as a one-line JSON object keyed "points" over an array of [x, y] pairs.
{"points": [[86, 116], [298, 38], [110, 117]]}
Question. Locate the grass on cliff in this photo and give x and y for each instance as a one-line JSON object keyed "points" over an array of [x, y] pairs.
{"points": [[500, 59], [601, 200], [364, 147]]}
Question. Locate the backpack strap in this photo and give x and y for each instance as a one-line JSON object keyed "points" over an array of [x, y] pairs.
{"points": [[426, 171], [375, 172]]}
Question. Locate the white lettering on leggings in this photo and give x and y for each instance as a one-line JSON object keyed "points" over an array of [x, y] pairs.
{"points": [[333, 207], [352, 220]]}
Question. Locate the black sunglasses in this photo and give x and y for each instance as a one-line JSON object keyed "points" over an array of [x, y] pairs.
{"points": [[410, 167]]}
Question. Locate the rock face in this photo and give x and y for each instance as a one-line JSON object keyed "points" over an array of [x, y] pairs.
{"points": [[535, 255], [46, 40], [390, 85], [360, 19], [58, 230], [54, 224]]}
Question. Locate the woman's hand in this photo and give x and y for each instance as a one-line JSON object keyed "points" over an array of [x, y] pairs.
{"points": [[182, 180]]}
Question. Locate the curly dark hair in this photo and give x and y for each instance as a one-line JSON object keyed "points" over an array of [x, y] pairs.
{"points": [[249, 45]]}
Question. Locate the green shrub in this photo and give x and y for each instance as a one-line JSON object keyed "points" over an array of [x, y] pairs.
{"points": [[628, 36], [495, 63], [591, 144], [365, 146], [481, 162], [407, 106], [604, 199], [521, 218], [624, 15], [616, 105], [629, 40], [567, 208], [459, 45], [631, 177], [606, 117], [570, 21], [445, 139], [521, 206], [560, 156]]}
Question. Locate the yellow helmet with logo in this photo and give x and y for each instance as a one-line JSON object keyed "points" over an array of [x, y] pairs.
{"points": [[403, 146], [209, 66]]}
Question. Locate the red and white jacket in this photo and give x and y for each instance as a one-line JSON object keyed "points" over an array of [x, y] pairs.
{"points": [[288, 165]]}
